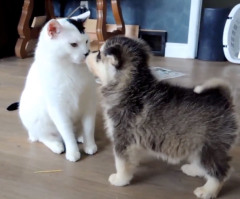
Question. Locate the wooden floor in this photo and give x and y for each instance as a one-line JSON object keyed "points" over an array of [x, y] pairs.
{"points": [[88, 178]]}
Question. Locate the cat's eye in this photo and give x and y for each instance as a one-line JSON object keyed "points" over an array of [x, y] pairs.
{"points": [[86, 41], [74, 45]]}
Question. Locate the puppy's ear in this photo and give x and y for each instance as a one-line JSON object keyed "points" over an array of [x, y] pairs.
{"points": [[53, 28], [114, 54]]}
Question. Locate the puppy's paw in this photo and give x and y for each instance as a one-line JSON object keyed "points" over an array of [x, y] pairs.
{"points": [[204, 193], [198, 89], [186, 168], [73, 156], [90, 149], [117, 180], [192, 170]]}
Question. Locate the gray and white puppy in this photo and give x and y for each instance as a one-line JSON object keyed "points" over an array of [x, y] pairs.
{"points": [[167, 121]]}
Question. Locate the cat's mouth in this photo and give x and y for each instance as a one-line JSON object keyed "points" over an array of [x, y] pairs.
{"points": [[80, 61], [85, 57]]}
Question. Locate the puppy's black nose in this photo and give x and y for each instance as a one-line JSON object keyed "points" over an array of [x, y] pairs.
{"points": [[87, 53]]}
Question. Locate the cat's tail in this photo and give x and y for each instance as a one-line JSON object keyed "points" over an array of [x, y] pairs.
{"points": [[14, 106], [215, 83]]}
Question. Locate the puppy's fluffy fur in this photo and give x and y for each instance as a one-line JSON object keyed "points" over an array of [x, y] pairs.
{"points": [[167, 121]]}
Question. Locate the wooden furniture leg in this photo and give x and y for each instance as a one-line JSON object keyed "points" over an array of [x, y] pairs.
{"points": [[26, 33], [102, 33]]}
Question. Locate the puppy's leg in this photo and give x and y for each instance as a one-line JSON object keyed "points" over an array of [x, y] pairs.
{"points": [[215, 163], [194, 168], [124, 173], [89, 144], [210, 189]]}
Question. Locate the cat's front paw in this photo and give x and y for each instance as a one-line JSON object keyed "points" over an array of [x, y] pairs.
{"points": [[80, 139], [73, 156], [57, 147], [32, 138], [118, 180], [90, 149]]}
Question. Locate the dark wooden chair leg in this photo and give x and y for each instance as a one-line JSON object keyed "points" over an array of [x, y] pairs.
{"points": [[117, 13], [26, 33], [102, 33], [49, 9], [24, 29], [101, 21]]}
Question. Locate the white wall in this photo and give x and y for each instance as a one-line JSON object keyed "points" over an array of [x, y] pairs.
{"points": [[188, 50]]}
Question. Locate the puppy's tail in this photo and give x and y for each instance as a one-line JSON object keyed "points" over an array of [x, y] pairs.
{"points": [[215, 83]]}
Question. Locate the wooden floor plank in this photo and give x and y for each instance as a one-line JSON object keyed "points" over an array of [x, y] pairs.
{"points": [[88, 178]]}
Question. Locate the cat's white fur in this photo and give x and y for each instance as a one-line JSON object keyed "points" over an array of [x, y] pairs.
{"points": [[58, 103]]}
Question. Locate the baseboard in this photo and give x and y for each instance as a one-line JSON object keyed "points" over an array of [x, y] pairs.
{"points": [[178, 50]]}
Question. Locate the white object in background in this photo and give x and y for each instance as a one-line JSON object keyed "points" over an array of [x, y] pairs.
{"points": [[84, 16], [231, 36], [189, 49], [160, 73], [163, 73]]}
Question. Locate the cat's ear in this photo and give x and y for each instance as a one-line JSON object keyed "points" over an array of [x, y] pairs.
{"points": [[82, 17], [53, 28]]}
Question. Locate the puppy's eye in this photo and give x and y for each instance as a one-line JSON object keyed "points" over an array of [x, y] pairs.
{"points": [[74, 45]]}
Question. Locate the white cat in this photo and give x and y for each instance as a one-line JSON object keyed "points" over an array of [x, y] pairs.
{"points": [[58, 103]]}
